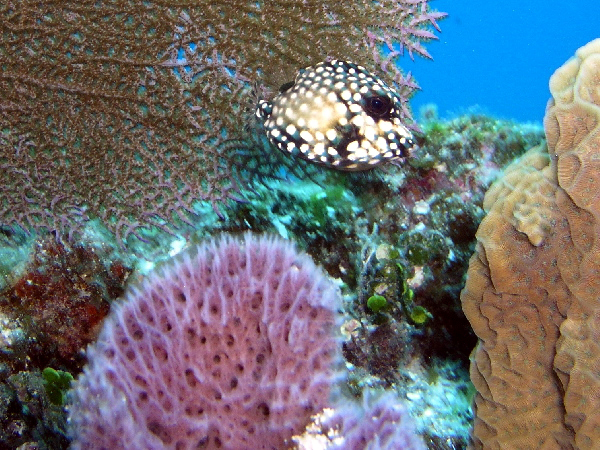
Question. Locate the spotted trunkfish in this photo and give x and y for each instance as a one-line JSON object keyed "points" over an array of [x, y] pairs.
{"points": [[339, 115]]}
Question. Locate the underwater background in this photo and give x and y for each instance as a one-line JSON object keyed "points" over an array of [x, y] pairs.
{"points": [[498, 56], [170, 279]]}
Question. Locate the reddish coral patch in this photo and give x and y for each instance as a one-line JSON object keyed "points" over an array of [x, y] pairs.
{"points": [[61, 301]]}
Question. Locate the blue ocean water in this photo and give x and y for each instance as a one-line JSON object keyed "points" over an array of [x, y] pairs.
{"points": [[499, 55]]}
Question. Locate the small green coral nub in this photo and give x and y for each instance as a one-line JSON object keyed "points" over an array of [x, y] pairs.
{"points": [[376, 303], [57, 383], [420, 315]]}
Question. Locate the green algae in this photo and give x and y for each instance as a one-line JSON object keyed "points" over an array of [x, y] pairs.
{"points": [[377, 303], [56, 383]]}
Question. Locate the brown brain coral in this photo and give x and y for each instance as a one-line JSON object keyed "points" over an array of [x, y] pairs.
{"points": [[533, 288]]}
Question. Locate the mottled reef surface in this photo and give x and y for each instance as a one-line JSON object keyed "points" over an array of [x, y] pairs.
{"points": [[397, 240]]}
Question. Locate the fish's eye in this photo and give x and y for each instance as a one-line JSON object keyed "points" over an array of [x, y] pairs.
{"points": [[378, 106]]}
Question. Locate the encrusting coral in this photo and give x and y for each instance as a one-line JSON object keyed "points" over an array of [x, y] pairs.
{"points": [[132, 111], [58, 304], [533, 288]]}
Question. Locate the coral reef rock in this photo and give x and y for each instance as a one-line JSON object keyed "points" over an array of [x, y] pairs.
{"points": [[533, 288]]}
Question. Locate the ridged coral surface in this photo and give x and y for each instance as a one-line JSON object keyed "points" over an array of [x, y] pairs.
{"points": [[131, 111], [533, 288], [232, 345]]}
